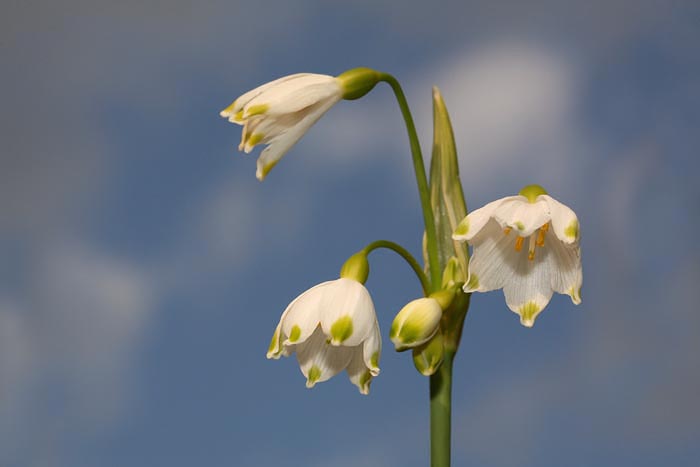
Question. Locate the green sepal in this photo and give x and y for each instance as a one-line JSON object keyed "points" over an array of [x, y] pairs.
{"points": [[356, 267], [446, 196], [357, 82]]}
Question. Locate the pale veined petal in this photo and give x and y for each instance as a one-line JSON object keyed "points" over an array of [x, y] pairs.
{"points": [[372, 349], [320, 361], [521, 215], [267, 128], [301, 99], [279, 145], [358, 372], [565, 265], [529, 289], [348, 313], [302, 316], [295, 95], [564, 220], [241, 101], [494, 259], [476, 220]]}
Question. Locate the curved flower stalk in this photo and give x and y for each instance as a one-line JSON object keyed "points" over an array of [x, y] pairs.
{"points": [[280, 112], [333, 327], [528, 245]]}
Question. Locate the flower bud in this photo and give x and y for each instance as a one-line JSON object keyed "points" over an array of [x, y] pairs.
{"points": [[452, 274], [415, 323], [356, 267], [428, 357], [357, 82]]}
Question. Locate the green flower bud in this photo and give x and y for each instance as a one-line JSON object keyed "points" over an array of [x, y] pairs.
{"points": [[356, 267], [415, 323], [443, 297], [428, 357], [452, 274], [358, 82]]}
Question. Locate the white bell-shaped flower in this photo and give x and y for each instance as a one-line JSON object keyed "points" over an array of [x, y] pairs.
{"points": [[278, 113], [332, 327], [528, 245]]}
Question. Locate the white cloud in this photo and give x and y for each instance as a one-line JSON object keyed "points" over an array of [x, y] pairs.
{"points": [[67, 349]]}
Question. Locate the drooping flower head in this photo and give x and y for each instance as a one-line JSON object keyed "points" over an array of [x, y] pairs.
{"points": [[332, 327], [528, 245], [280, 112]]}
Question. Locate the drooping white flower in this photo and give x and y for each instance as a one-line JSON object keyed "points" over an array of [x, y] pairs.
{"points": [[528, 245], [280, 112], [332, 327]]}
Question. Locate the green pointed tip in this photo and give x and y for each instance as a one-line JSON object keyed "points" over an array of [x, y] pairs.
{"points": [[531, 192], [274, 344], [462, 228], [314, 376], [341, 330], [571, 230], [528, 313], [295, 333]]}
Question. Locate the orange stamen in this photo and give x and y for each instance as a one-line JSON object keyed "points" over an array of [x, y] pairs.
{"points": [[519, 243], [507, 230]]}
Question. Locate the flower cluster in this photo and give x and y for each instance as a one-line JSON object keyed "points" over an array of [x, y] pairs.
{"points": [[527, 245]]}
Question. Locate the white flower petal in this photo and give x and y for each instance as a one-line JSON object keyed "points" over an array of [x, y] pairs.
{"points": [[565, 266], [275, 348], [348, 313], [476, 220], [320, 361], [358, 372], [521, 215], [564, 220], [372, 349], [494, 259], [302, 316], [294, 95], [529, 289], [279, 145], [244, 99]]}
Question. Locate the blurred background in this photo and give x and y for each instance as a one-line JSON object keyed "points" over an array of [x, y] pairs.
{"points": [[143, 268]]}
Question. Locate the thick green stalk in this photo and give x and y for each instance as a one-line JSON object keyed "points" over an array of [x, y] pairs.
{"points": [[401, 251], [441, 412], [422, 180]]}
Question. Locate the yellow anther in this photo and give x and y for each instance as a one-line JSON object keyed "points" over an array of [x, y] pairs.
{"points": [[519, 243], [531, 248], [531, 255], [507, 230], [540, 237]]}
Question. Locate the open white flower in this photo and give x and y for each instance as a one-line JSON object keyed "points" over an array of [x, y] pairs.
{"points": [[332, 327], [278, 113], [528, 245]]}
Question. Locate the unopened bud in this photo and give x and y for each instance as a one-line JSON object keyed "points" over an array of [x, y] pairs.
{"points": [[415, 323], [428, 357]]}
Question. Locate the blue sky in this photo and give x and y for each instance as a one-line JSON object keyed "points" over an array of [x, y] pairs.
{"points": [[144, 268]]}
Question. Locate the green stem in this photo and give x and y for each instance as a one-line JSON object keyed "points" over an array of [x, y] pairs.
{"points": [[440, 412], [421, 179], [395, 247]]}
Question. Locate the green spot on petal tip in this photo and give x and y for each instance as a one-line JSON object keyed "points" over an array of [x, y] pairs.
{"points": [[341, 330], [295, 334]]}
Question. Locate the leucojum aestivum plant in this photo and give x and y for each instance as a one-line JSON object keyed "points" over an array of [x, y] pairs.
{"points": [[526, 244]]}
